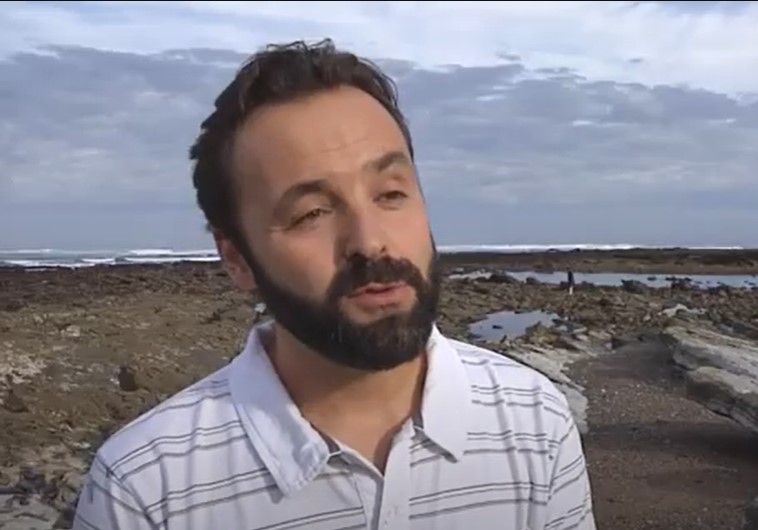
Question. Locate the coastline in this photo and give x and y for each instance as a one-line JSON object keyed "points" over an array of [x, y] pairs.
{"points": [[632, 261]]}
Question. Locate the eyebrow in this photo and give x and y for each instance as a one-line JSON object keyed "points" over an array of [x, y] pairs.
{"points": [[387, 160], [301, 189], [321, 185]]}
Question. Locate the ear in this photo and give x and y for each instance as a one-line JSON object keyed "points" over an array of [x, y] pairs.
{"points": [[233, 262]]}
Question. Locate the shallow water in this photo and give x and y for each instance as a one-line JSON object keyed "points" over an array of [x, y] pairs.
{"points": [[509, 324], [614, 279]]}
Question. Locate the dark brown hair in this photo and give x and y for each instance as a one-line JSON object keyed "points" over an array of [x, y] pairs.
{"points": [[275, 74]]}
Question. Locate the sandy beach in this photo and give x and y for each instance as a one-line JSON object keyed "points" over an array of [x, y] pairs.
{"points": [[84, 351]]}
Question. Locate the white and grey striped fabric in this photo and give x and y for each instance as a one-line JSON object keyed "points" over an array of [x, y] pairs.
{"points": [[494, 447]]}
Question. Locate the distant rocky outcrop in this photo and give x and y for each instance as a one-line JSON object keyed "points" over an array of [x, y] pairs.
{"points": [[721, 370]]}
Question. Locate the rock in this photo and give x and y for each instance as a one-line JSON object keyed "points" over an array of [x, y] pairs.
{"points": [[751, 516], [11, 305], [720, 290], [36, 497], [552, 361], [531, 280], [604, 302], [539, 333], [742, 328], [579, 331], [634, 286], [14, 403], [619, 341], [681, 284], [480, 289], [721, 370], [127, 379], [72, 331], [678, 309], [500, 277]]}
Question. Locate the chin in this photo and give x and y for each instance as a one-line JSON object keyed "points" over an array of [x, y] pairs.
{"points": [[364, 319], [366, 316]]}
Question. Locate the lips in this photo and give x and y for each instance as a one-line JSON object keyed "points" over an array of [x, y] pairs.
{"points": [[373, 296], [376, 289]]}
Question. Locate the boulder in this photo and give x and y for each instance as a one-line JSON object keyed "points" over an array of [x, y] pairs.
{"points": [[127, 379], [721, 370], [500, 277], [681, 284], [634, 286]]}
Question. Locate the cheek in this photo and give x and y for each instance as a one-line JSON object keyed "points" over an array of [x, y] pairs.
{"points": [[416, 244], [416, 230], [308, 273]]}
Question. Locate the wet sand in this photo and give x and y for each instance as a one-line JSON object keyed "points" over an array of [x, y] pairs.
{"points": [[657, 459]]}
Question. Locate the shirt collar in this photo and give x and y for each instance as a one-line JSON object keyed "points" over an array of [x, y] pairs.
{"points": [[294, 452], [291, 449], [446, 397]]}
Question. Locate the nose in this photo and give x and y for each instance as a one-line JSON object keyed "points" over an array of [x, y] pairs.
{"points": [[363, 235]]}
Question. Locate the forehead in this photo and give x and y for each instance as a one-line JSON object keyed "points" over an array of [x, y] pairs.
{"points": [[329, 134]]}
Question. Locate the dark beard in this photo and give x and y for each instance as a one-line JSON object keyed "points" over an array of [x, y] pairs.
{"points": [[380, 345]]}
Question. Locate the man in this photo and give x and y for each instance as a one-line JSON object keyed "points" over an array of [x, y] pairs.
{"points": [[349, 409]]}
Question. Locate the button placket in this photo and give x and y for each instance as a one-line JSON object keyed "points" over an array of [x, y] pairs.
{"points": [[395, 493]]}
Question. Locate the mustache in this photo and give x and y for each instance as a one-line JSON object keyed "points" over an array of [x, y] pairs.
{"points": [[362, 271]]}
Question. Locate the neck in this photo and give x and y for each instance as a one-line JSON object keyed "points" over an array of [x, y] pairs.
{"points": [[323, 389], [362, 410]]}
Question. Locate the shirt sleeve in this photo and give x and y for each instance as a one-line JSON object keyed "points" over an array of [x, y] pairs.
{"points": [[105, 503], [570, 501]]}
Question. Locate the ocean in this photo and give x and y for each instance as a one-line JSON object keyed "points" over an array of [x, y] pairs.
{"points": [[57, 258]]}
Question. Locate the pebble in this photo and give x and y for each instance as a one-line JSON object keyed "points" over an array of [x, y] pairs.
{"points": [[72, 331]]}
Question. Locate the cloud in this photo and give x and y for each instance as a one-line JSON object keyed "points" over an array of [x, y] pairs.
{"points": [[710, 45], [499, 133], [81, 125], [575, 121]]}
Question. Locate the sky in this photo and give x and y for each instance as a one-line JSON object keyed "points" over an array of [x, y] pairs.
{"points": [[534, 122]]}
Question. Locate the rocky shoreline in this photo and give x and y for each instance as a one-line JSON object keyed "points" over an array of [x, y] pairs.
{"points": [[634, 260], [658, 378]]}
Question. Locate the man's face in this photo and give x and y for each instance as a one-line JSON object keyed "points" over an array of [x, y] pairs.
{"points": [[336, 232]]}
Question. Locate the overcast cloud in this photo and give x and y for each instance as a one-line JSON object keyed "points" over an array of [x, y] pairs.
{"points": [[615, 122]]}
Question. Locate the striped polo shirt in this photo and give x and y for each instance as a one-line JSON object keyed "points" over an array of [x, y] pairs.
{"points": [[494, 446]]}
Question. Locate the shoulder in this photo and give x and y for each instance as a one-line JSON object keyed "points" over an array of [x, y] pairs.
{"points": [[192, 448], [497, 380], [201, 413]]}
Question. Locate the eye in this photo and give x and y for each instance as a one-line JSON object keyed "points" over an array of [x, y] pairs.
{"points": [[395, 195], [309, 217]]}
